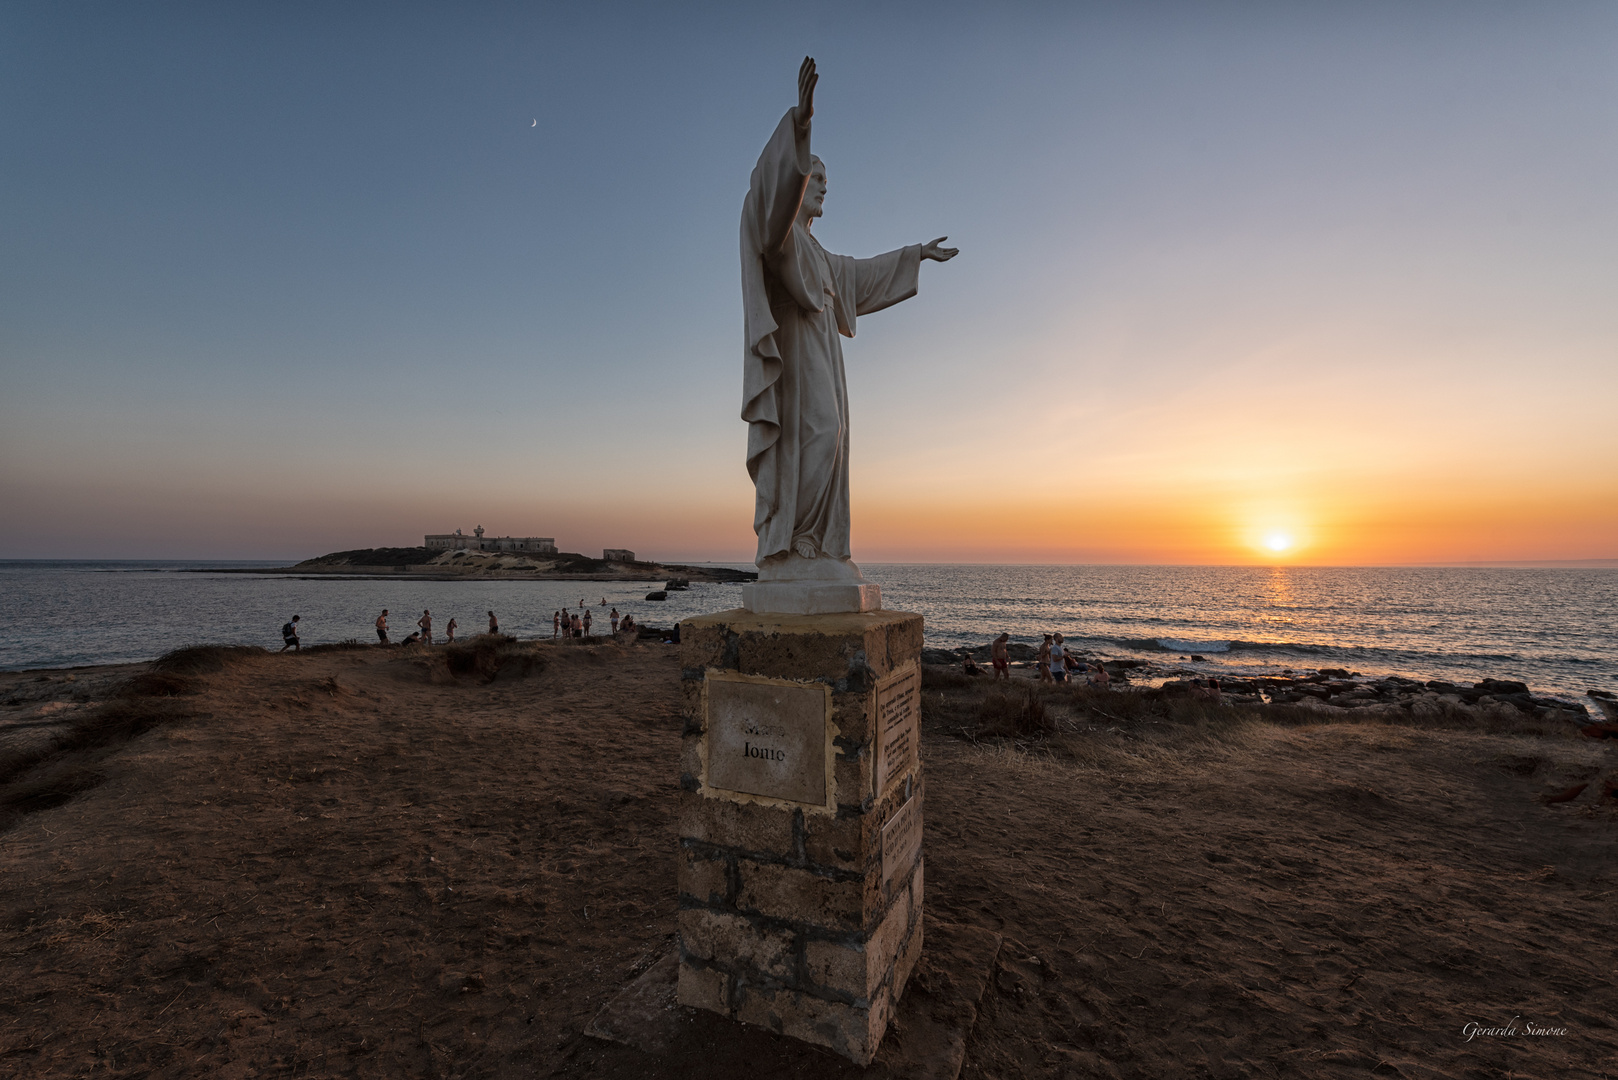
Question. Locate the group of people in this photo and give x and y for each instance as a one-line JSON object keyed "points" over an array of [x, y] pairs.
{"points": [[424, 629], [576, 624], [564, 624], [1053, 660]]}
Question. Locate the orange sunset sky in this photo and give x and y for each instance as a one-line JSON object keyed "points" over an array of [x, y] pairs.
{"points": [[1331, 284]]}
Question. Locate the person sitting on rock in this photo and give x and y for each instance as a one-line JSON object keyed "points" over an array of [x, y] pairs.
{"points": [[970, 666], [1098, 677], [1208, 691]]}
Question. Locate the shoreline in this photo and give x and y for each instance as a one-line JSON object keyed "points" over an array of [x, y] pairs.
{"points": [[1389, 695]]}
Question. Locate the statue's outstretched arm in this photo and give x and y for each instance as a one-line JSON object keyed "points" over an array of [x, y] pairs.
{"points": [[807, 77]]}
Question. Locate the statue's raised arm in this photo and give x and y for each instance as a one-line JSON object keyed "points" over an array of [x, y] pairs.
{"points": [[799, 300], [807, 77]]}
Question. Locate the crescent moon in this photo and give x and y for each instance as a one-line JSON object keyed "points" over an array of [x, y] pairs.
{"points": [[534, 124]]}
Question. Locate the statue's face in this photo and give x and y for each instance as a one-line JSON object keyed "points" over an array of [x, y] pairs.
{"points": [[814, 193]]}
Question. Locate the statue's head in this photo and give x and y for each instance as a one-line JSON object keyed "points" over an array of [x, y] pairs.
{"points": [[814, 193]]}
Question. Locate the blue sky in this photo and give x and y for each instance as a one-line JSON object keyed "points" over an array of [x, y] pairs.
{"points": [[278, 279]]}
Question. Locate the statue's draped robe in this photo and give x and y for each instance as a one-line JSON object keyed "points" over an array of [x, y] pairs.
{"points": [[797, 298]]}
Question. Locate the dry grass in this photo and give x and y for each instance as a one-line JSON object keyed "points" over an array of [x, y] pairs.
{"points": [[205, 659], [1132, 736], [1014, 714]]}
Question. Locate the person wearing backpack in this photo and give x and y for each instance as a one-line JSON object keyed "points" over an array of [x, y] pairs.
{"points": [[289, 634]]}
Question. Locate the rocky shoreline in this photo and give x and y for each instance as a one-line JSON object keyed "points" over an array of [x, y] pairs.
{"points": [[1331, 689]]}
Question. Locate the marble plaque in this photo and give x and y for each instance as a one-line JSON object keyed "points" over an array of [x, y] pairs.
{"points": [[898, 727], [768, 738], [901, 842]]}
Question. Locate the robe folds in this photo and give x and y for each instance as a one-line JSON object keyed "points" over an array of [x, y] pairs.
{"points": [[799, 300]]}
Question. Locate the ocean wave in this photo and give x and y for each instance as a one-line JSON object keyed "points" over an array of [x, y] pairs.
{"points": [[1192, 645], [1343, 653]]}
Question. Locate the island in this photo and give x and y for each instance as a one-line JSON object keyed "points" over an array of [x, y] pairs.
{"points": [[457, 565]]}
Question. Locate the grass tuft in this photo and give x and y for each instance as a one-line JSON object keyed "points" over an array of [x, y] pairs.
{"points": [[1013, 715], [487, 656], [350, 645]]}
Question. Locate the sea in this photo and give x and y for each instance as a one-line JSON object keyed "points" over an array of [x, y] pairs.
{"points": [[1555, 628]]}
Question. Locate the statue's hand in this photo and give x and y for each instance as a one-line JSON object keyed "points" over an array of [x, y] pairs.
{"points": [[937, 253], [807, 77]]}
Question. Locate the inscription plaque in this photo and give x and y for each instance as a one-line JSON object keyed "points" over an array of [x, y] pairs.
{"points": [[898, 704], [901, 842], [768, 738]]}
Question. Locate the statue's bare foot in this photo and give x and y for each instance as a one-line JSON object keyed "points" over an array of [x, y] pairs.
{"points": [[805, 548]]}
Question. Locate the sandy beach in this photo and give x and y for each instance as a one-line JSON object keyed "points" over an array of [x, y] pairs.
{"points": [[365, 863]]}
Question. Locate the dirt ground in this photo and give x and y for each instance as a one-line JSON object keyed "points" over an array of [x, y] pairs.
{"points": [[358, 863]]}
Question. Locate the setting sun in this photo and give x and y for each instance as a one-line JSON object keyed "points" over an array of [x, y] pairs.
{"points": [[1278, 542]]}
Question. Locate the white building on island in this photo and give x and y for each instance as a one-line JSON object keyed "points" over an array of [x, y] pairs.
{"points": [[459, 541]]}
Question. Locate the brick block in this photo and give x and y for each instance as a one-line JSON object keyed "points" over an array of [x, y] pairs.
{"points": [[786, 892], [846, 1029], [903, 642], [746, 827], [839, 843], [704, 881], [736, 943], [853, 772], [703, 641], [858, 971], [703, 988], [889, 934], [909, 953], [691, 701], [852, 714], [839, 968], [828, 647]]}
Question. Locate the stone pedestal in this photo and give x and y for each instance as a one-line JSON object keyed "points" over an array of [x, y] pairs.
{"points": [[800, 869]]}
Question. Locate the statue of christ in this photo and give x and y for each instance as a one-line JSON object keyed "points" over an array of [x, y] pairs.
{"points": [[799, 299]]}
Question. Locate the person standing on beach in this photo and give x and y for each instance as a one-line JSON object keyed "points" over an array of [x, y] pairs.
{"points": [[426, 624], [556, 625], [494, 627], [578, 627], [586, 622], [289, 634], [449, 633], [1058, 660], [382, 627], [614, 617], [1042, 659], [999, 658]]}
